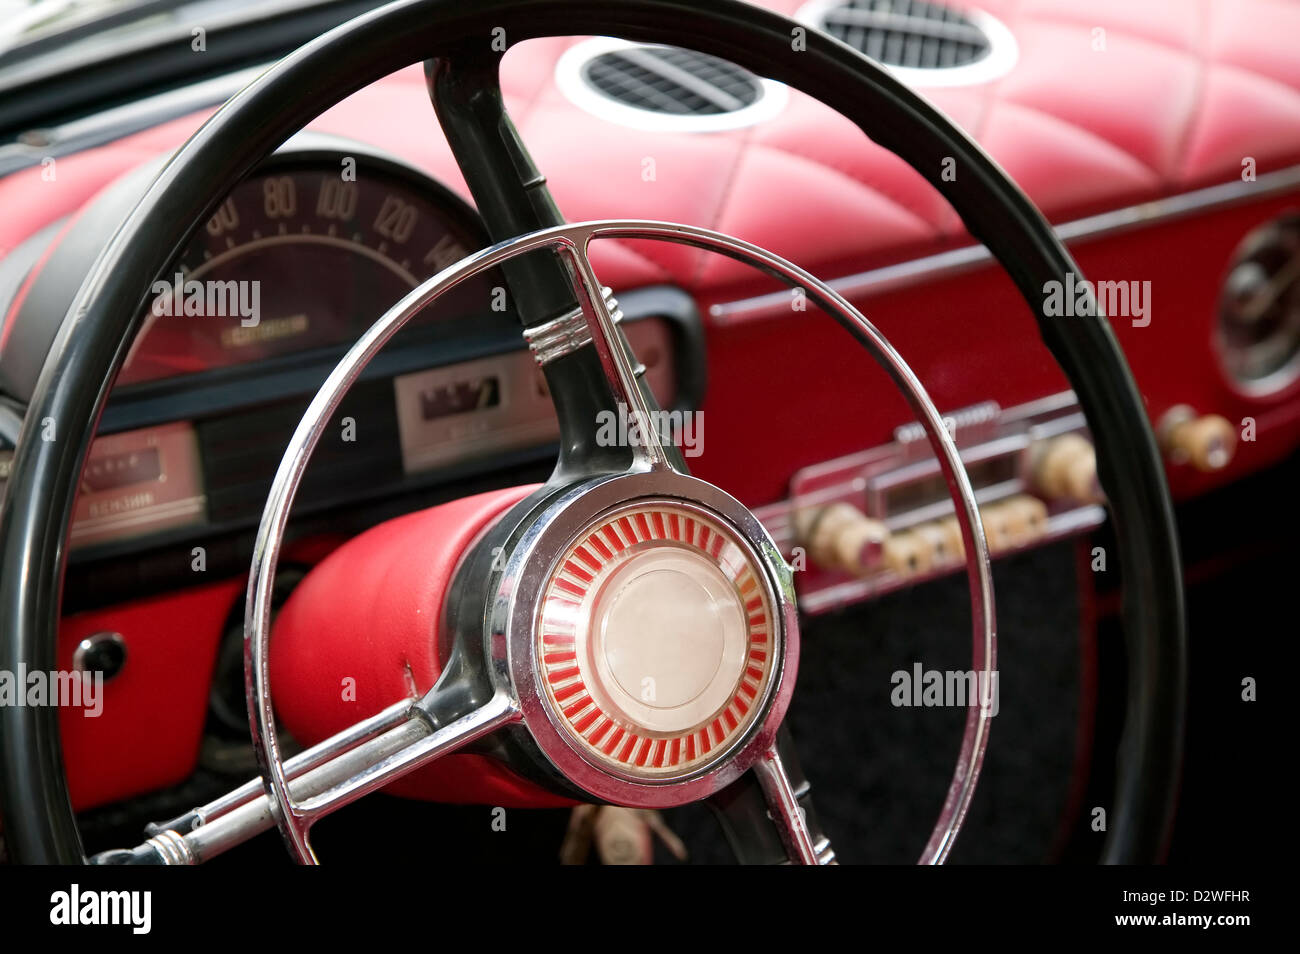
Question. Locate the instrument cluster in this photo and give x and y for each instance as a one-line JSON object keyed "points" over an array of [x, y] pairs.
{"points": [[243, 326]]}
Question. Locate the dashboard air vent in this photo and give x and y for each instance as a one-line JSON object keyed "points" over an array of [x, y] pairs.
{"points": [[921, 41], [664, 87], [668, 79]]}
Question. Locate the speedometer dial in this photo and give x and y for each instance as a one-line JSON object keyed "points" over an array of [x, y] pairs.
{"points": [[304, 255]]}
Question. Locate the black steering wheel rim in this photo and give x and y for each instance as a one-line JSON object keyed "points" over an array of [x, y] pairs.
{"points": [[74, 384]]}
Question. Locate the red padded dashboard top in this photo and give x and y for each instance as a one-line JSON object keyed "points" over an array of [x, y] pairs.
{"points": [[1107, 106]]}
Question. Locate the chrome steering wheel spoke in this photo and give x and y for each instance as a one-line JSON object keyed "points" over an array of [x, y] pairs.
{"points": [[784, 808], [767, 814], [556, 293], [616, 360], [319, 781]]}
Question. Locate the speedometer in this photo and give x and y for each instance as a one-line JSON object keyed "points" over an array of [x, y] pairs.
{"points": [[304, 255]]}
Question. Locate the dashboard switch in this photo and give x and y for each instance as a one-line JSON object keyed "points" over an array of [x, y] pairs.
{"points": [[841, 537], [943, 542], [908, 553], [103, 653], [1026, 518], [1065, 468], [1206, 441], [999, 527]]}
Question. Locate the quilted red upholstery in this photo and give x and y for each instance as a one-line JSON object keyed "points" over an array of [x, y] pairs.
{"points": [[1182, 92]]}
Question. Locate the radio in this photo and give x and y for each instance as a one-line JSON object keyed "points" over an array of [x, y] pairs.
{"points": [[871, 522]]}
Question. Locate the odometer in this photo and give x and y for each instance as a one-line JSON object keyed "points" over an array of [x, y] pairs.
{"points": [[306, 254]]}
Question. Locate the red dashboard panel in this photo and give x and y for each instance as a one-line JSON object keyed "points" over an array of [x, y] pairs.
{"points": [[1120, 104], [146, 735], [970, 337]]}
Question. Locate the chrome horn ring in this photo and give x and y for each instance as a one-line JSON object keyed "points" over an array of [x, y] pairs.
{"points": [[515, 664]]}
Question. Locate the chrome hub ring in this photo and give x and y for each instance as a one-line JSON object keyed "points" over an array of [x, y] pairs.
{"points": [[584, 605], [656, 640]]}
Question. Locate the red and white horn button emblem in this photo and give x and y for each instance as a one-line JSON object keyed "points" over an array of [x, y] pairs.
{"points": [[656, 641]]}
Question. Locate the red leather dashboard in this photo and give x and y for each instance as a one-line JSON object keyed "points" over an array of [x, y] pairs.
{"points": [[1108, 107]]}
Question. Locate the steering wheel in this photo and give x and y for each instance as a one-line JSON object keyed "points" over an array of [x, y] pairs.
{"points": [[525, 601]]}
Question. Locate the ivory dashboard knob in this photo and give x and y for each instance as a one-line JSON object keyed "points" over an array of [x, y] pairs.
{"points": [[950, 527], [1207, 441], [939, 540], [841, 537], [1026, 518], [907, 553], [1065, 468], [999, 527]]}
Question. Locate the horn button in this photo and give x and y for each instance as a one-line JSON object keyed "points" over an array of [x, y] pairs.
{"points": [[656, 642]]}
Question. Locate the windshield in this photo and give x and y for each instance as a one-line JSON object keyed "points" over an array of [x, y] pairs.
{"points": [[31, 28], [63, 60]]}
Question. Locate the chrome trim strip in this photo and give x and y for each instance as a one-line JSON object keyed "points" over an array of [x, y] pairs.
{"points": [[913, 271], [185, 507]]}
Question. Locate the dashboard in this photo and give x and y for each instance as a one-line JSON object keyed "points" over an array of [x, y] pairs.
{"points": [[252, 313]]}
